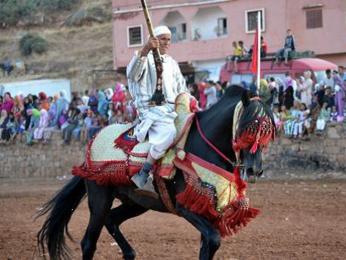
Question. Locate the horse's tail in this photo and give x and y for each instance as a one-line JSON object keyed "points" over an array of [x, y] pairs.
{"points": [[60, 208]]}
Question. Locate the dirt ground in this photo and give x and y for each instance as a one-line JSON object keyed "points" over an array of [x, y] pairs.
{"points": [[299, 220]]}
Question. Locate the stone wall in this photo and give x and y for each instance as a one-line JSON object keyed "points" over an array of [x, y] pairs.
{"points": [[320, 153], [40, 160]]}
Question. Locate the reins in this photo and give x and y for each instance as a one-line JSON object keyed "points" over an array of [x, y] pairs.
{"points": [[205, 139]]}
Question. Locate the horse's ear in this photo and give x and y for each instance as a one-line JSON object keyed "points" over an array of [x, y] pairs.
{"points": [[246, 98]]}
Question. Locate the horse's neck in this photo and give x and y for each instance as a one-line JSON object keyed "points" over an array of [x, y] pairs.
{"points": [[216, 126]]}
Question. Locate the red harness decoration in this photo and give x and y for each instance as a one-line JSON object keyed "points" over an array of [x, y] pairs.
{"points": [[200, 196]]}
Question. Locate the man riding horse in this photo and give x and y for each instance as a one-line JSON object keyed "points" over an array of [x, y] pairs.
{"points": [[156, 117]]}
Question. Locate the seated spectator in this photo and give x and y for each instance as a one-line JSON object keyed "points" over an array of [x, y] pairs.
{"points": [[130, 112], [102, 105], [42, 125], [328, 97], [333, 115], [61, 105], [287, 120], [289, 46], [277, 118], [264, 48], [1, 102], [87, 124], [244, 50], [72, 123], [93, 102], [323, 118], [8, 102], [305, 119], [95, 126], [8, 126]]}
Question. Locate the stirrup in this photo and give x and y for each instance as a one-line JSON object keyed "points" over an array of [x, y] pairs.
{"points": [[148, 189], [140, 179]]}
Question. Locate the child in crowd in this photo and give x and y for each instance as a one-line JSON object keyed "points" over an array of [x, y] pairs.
{"points": [[277, 118], [287, 120], [323, 118], [333, 114], [237, 54]]}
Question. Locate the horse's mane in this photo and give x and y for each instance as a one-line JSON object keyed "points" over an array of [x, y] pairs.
{"points": [[252, 110]]}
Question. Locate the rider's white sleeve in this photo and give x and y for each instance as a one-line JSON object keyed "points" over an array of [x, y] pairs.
{"points": [[136, 68]]}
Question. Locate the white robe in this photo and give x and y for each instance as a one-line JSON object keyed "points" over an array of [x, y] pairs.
{"points": [[156, 121]]}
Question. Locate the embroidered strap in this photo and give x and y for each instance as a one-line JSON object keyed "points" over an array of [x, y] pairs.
{"points": [[211, 145], [166, 199]]}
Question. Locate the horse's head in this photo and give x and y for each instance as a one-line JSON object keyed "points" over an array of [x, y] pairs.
{"points": [[253, 129]]}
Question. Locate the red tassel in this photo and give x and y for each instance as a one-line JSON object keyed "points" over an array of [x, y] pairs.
{"points": [[254, 147]]}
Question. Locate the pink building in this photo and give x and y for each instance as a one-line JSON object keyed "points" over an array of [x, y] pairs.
{"points": [[203, 30]]}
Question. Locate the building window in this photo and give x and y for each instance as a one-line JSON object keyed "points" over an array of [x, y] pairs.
{"points": [[314, 18], [251, 20], [221, 28], [178, 32], [135, 36]]}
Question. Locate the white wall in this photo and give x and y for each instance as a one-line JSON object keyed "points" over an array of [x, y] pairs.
{"points": [[205, 21], [213, 66]]}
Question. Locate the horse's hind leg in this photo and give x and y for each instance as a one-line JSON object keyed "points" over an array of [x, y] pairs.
{"points": [[210, 239], [100, 202], [116, 218]]}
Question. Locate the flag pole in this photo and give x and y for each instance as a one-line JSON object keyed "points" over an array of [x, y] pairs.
{"points": [[258, 50]]}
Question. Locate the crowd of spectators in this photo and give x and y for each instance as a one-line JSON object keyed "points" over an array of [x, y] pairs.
{"points": [[300, 107], [32, 118]]}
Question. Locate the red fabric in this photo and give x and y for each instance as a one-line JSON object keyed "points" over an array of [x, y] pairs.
{"points": [[201, 200], [254, 61]]}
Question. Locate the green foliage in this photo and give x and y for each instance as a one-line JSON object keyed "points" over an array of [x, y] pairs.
{"points": [[12, 11], [32, 43]]}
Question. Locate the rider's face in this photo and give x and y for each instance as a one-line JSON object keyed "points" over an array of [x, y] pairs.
{"points": [[165, 42]]}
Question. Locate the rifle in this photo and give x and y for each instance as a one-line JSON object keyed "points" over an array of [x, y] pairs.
{"points": [[158, 97]]}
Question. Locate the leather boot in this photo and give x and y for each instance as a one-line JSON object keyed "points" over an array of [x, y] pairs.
{"points": [[140, 178], [148, 189]]}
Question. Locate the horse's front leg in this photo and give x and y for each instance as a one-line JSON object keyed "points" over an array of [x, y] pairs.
{"points": [[210, 237]]}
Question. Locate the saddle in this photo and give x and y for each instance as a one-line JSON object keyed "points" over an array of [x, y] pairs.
{"points": [[115, 162]]}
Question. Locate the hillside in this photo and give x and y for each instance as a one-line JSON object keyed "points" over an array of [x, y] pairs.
{"points": [[73, 51]]}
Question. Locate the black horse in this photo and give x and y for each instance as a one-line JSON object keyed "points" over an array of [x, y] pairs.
{"points": [[216, 124]]}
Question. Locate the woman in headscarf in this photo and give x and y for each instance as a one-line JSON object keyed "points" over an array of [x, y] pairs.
{"points": [[61, 105], [264, 92], [42, 124], [102, 105], [340, 90], [8, 102], [119, 98], [305, 88], [43, 100]]}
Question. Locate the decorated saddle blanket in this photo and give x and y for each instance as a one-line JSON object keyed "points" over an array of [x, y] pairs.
{"points": [[215, 193], [115, 155]]}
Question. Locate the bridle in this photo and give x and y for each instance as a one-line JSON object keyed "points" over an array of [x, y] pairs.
{"points": [[237, 114]]}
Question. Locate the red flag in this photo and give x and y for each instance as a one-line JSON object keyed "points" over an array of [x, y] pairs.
{"points": [[254, 61]]}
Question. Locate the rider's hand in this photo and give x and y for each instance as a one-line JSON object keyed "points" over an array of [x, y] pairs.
{"points": [[153, 43]]}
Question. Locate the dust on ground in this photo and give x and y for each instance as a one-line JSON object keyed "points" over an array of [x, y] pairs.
{"points": [[300, 219]]}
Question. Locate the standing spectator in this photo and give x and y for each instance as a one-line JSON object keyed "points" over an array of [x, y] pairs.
{"points": [[27, 112], [61, 105], [289, 46], [85, 97], [3, 120], [237, 54], [93, 102], [264, 48], [264, 92], [119, 98], [323, 118], [274, 90], [1, 102], [210, 92], [305, 88], [193, 88], [109, 94], [8, 102], [202, 97], [339, 88], [102, 105], [328, 81]]}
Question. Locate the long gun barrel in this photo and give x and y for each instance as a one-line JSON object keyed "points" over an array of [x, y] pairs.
{"points": [[158, 97]]}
